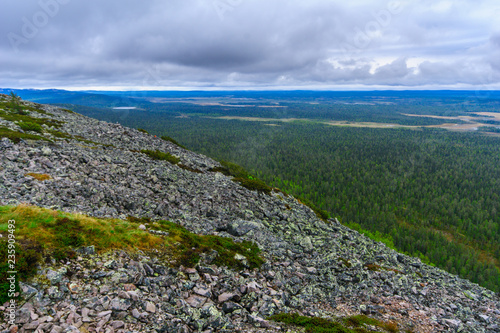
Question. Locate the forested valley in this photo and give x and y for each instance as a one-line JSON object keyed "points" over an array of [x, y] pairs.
{"points": [[427, 192]]}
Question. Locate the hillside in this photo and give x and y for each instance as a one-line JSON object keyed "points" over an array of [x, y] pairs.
{"points": [[382, 163], [101, 180]]}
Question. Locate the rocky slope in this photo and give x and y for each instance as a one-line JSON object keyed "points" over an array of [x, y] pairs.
{"points": [[313, 267]]}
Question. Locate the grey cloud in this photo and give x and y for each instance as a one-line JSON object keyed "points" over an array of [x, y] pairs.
{"points": [[398, 69], [195, 43], [495, 39]]}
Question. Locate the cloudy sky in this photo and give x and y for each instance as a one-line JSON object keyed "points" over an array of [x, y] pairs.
{"points": [[250, 44]]}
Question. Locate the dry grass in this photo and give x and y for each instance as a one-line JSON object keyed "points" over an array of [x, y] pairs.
{"points": [[39, 176], [60, 233], [56, 229]]}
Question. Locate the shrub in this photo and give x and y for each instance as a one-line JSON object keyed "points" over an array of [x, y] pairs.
{"points": [[28, 255], [15, 104]]}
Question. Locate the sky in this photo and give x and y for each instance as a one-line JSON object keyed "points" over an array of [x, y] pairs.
{"points": [[250, 44]]}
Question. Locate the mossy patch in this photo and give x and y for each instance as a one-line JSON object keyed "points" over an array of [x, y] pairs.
{"points": [[60, 135], [26, 118], [29, 126], [376, 268], [242, 176], [312, 324], [345, 262], [143, 131], [322, 214], [167, 138], [16, 136], [162, 156], [231, 169], [68, 111], [185, 167], [27, 255], [254, 184], [353, 324], [43, 232], [186, 248], [362, 320]]}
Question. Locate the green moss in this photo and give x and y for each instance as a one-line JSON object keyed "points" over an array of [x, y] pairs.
{"points": [[231, 169], [14, 117], [69, 111], [242, 176], [167, 138], [311, 324], [142, 130], [254, 184], [159, 155], [29, 126], [44, 232], [375, 267], [59, 134], [17, 136], [185, 167], [362, 320], [185, 248], [346, 325], [322, 214]]}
